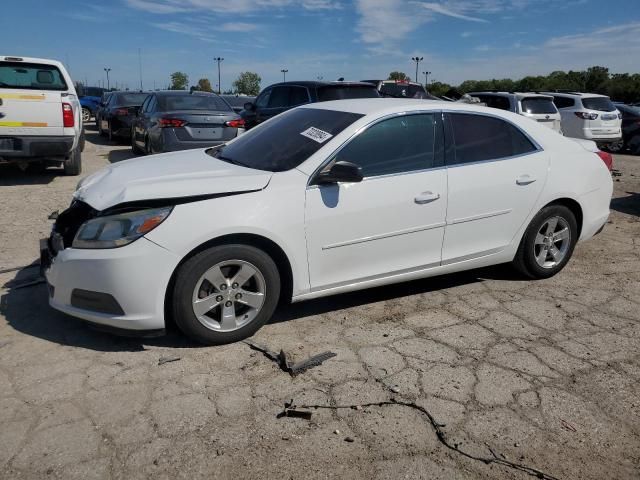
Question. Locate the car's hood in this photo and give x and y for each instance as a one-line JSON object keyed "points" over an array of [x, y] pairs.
{"points": [[182, 174]]}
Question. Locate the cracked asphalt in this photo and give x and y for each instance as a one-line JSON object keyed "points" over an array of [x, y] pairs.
{"points": [[539, 373]]}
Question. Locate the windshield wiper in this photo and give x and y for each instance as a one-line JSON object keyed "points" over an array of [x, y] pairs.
{"points": [[230, 160]]}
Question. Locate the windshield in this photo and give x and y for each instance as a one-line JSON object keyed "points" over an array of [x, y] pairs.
{"points": [[538, 105], [131, 99], [285, 141], [31, 76], [339, 92], [403, 90], [170, 103], [601, 104]]}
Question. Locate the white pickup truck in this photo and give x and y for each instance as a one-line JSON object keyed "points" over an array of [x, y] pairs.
{"points": [[40, 119]]}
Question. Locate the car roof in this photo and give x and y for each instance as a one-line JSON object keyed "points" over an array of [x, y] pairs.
{"points": [[318, 83], [372, 106], [574, 94], [45, 61], [518, 95], [164, 93]]}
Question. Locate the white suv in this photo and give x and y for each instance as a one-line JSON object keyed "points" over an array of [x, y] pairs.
{"points": [[533, 105], [40, 119], [589, 116]]}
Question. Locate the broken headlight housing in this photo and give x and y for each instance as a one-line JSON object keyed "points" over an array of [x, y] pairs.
{"points": [[114, 231]]}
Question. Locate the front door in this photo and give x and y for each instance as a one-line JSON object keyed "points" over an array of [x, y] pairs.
{"points": [[393, 221]]}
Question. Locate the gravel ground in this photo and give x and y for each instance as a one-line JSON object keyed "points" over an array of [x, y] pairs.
{"points": [[542, 374]]}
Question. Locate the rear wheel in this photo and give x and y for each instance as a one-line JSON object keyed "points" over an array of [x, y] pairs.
{"points": [[134, 146], [109, 132], [99, 125], [86, 115], [548, 242], [73, 165], [225, 293]]}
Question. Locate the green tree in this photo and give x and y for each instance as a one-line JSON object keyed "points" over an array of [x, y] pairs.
{"points": [[438, 88], [395, 75], [597, 79], [179, 81], [204, 85], [247, 83]]}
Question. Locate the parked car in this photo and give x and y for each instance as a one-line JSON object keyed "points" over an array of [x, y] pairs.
{"points": [[589, 116], [238, 102], [401, 89], [40, 120], [104, 100], [175, 120], [90, 98], [281, 97], [630, 128], [117, 115], [323, 199], [532, 105]]}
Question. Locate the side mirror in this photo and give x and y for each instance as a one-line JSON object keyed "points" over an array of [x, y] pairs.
{"points": [[250, 107], [340, 171]]}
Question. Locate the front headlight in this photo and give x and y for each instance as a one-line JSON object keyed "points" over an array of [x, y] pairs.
{"points": [[118, 230]]}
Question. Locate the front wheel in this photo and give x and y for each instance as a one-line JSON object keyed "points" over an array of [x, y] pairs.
{"points": [[225, 293], [134, 146], [548, 242]]}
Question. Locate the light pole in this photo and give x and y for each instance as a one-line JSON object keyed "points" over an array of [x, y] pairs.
{"points": [[417, 60], [107, 70], [284, 74], [426, 79], [219, 59]]}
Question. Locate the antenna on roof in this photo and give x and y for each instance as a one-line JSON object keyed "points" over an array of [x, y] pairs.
{"points": [[341, 79]]}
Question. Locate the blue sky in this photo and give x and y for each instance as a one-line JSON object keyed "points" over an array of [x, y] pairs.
{"points": [[459, 39]]}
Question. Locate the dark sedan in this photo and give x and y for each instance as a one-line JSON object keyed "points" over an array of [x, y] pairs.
{"points": [[630, 127], [281, 97], [117, 114], [179, 120], [238, 102]]}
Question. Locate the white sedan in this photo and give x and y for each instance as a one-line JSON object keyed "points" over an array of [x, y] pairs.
{"points": [[322, 199]]}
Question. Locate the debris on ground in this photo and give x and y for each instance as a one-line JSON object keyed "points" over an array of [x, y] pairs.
{"points": [[292, 410], [567, 426], [285, 363], [168, 359]]}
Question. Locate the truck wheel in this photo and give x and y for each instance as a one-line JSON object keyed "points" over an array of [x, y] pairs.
{"points": [[73, 165], [86, 115], [81, 142]]}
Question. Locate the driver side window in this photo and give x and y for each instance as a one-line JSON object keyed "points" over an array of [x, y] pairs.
{"points": [[263, 100], [396, 145]]}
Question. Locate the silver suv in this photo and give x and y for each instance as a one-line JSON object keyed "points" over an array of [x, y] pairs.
{"points": [[589, 116], [533, 105]]}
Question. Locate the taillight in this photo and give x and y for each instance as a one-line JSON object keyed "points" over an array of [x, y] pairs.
{"points": [[121, 112], [171, 122], [239, 123], [586, 115], [607, 158], [67, 115]]}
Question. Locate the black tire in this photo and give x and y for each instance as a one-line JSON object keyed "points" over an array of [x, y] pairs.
{"points": [[191, 271], [110, 133], [99, 125], [135, 148], [86, 115], [525, 259], [73, 165], [82, 140]]}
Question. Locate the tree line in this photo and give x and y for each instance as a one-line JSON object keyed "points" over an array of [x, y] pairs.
{"points": [[247, 83]]}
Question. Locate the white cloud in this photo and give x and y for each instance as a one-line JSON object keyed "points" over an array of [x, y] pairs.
{"points": [[444, 10], [186, 29], [238, 27], [228, 6]]}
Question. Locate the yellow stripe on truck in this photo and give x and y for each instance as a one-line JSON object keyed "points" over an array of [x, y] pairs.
{"points": [[19, 96], [24, 124]]}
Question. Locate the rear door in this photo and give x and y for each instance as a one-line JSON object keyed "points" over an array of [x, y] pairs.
{"points": [[607, 121], [277, 102], [495, 174], [30, 99]]}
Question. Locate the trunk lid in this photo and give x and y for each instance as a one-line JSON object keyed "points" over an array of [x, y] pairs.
{"points": [[204, 125]]}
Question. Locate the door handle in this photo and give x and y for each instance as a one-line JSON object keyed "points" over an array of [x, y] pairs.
{"points": [[525, 179], [426, 197]]}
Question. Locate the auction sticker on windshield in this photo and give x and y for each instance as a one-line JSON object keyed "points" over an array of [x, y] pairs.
{"points": [[316, 134]]}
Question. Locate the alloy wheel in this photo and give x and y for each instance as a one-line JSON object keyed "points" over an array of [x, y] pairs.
{"points": [[86, 115], [229, 295], [552, 242]]}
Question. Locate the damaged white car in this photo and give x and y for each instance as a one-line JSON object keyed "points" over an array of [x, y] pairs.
{"points": [[323, 199]]}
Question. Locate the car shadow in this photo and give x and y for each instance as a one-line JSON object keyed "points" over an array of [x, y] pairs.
{"points": [[116, 156], [12, 175], [26, 309], [629, 205]]}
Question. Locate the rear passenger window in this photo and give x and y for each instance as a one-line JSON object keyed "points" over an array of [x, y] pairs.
{"points": [[478, 138], [397, 145], [564, 102], [495, 101], [279, 97], [298, 96]]}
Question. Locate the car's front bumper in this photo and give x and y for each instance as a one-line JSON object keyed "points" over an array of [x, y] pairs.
{"points": [[135, 277]]}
